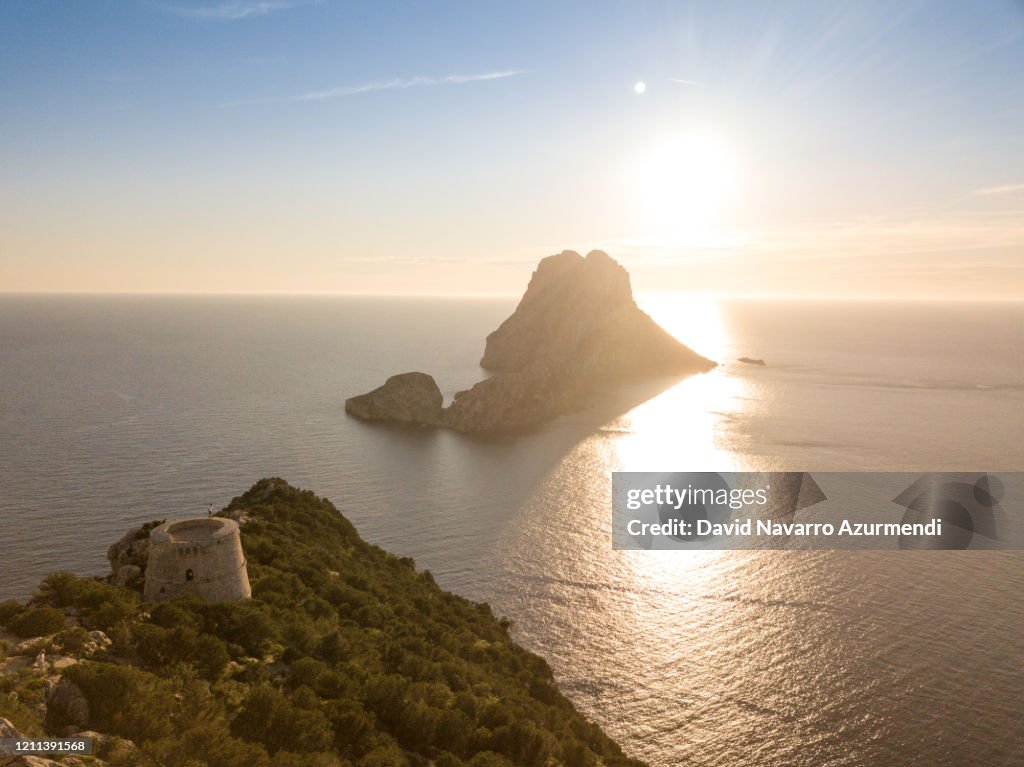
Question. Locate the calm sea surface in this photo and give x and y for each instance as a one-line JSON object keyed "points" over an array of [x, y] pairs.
{"points": [[115, 411]]}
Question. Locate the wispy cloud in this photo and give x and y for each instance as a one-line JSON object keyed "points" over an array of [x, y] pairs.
{"points": [[397, 83], [232, 11], [407, 82], [988, 191], [685, 82]]}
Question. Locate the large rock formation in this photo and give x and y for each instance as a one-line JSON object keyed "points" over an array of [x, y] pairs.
{"points": [[576, 332]]}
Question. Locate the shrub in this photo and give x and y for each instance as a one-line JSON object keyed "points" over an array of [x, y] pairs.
{"points": [[176, 614], [289, 759], [354, 728], [305, 671], [489, 759], [71, 640], [161, 648], [245, 624], [306, 698], [9, 610], [269, 718], [384, 756], [208, 744], [60, 589], [126, 701], [37, 621]]}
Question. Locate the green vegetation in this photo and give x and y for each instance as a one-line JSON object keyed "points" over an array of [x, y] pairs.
{"points": [[35, 622], [345, 655]]}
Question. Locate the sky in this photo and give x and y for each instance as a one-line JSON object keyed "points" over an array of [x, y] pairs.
{"points": [[805, 149]]}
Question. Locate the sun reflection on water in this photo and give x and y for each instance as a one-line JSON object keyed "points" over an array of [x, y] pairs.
{"points": [[683, 429]]}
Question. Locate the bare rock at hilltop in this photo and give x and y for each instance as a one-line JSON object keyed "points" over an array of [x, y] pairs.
{"points": [[578, 314], [576, 332], [406, 398], [568, 299], [131, 551]]}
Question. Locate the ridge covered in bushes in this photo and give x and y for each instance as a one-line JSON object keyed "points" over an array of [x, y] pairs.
{"points": [[345, 655]]}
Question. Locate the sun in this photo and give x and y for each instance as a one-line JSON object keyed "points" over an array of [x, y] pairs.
{"points": [[685, 183]]}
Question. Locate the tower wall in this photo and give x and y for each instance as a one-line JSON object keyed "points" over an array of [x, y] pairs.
{"points": [[199, 557]]}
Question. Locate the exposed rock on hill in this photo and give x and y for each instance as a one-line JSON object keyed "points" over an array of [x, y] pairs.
{"points": [[9, 731], [129, 556], [132, 549], [576, 332], [66, 707]]}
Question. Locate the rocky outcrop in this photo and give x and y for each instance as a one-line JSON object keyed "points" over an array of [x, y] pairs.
{"points": [[576, 332], [131, 551], [127, 575], [406, 398], [8, 730], [568, 299], [66, 707], [27, 760]]}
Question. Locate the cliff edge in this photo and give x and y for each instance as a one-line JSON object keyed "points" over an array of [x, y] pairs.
{"points": [[345, 655]]}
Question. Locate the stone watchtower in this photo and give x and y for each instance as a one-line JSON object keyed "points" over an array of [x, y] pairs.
{"points": [[199, 558]]}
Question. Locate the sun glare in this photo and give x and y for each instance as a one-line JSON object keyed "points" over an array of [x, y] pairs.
{"points": [[685, 425], [684, 184], [697, 321]]}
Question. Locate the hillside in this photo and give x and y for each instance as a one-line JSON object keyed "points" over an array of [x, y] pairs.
{"points": [[345, 655]]}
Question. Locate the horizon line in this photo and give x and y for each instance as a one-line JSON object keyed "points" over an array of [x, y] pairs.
{"points": [[493, 295]]}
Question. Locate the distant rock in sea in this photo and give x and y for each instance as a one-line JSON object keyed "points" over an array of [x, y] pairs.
{"points": [[576, 333], [751, 361], [409, 398]]}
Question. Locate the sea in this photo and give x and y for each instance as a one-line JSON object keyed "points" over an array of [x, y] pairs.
{"points": [[116, 410]]}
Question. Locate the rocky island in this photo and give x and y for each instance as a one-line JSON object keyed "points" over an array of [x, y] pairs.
{"points": [[577, 332]]}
